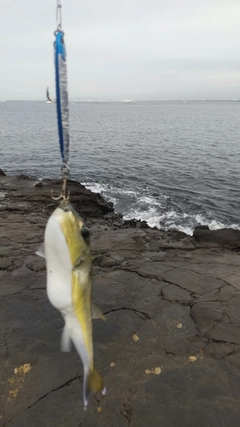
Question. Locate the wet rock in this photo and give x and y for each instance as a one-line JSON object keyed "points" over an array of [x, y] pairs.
{"points": [[176, 294], [213, 313], [26, 195], [224, 236]]}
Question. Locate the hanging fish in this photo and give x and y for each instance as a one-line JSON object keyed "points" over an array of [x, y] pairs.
{"points": [[62, 94], [66, 249]]}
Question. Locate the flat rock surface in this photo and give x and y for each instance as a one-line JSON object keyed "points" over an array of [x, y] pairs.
{"points": [[169, 352]]}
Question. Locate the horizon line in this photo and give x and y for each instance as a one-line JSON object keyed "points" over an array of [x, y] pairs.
{"points": [[130, 100]]}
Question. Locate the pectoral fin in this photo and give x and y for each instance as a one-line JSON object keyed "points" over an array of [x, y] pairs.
{"points": [[97, 313], [66, 339], [78, 263], [41, 251]]}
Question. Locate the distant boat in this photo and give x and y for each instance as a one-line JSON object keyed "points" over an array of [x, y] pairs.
{"points": [[49, 100]]}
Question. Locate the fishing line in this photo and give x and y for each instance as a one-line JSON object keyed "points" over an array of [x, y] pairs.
{"points": [[62, 99]]}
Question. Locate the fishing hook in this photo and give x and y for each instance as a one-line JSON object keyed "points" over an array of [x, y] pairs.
{"points": [[65, 195]]}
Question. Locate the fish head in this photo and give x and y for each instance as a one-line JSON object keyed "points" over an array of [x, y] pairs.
{"points": [[77, 235]]}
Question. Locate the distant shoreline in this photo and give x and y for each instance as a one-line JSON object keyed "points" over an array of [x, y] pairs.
{"points": [[132, 101]]}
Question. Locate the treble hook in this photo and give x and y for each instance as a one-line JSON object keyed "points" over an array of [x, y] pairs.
{"points": [[64, 194]]}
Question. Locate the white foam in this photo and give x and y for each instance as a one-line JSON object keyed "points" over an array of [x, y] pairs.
{"points": [[152, 214], [127, 192], [149, 200], [170, 220], [186, 230], [148, 215], [213, 224], [95, 187], [112, 199]]}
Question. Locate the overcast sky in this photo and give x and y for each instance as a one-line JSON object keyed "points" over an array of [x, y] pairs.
{"points": [[118, 49]]}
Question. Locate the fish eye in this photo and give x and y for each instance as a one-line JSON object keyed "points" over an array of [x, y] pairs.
{"points": [[85, 232]]}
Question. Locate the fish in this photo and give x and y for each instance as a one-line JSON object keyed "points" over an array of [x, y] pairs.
{"points": [[67, 252]]}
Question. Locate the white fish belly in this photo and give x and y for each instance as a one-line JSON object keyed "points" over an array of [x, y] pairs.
{"points": [[59, 267]]}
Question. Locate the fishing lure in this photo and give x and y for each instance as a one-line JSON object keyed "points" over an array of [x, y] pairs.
{"points": [[61, 91]]}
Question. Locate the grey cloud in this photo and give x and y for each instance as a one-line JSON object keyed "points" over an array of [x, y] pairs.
{"points": [[135, 49]]}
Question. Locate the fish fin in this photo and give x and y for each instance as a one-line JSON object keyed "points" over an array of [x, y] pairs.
{"points": [[97, 313], [41, 250], [78, 263], [92, 383], [66, 339]]}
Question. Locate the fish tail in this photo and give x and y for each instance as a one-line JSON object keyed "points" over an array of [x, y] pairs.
{"points": [[92, 383]]}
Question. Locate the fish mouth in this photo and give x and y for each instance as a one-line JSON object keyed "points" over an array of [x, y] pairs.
{"points": [[65, 206]]}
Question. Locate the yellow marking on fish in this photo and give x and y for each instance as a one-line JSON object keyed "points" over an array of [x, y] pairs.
{"points": [[71, 226], [80, 255], [82, 302]]}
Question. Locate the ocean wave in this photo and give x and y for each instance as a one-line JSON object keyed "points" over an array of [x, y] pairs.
{"points": [[106, 189], [95, 187], [156, 211], [149, 200], [174, 220]]}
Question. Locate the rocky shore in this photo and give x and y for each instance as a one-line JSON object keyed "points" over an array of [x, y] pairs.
{"points": [[169, 352]]}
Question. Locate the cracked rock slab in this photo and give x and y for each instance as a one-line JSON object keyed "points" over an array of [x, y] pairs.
{"points": [[169, 352]]}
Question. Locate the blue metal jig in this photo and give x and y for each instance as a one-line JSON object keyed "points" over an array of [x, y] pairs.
{"points": [[61, 91], [62, 99]]}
